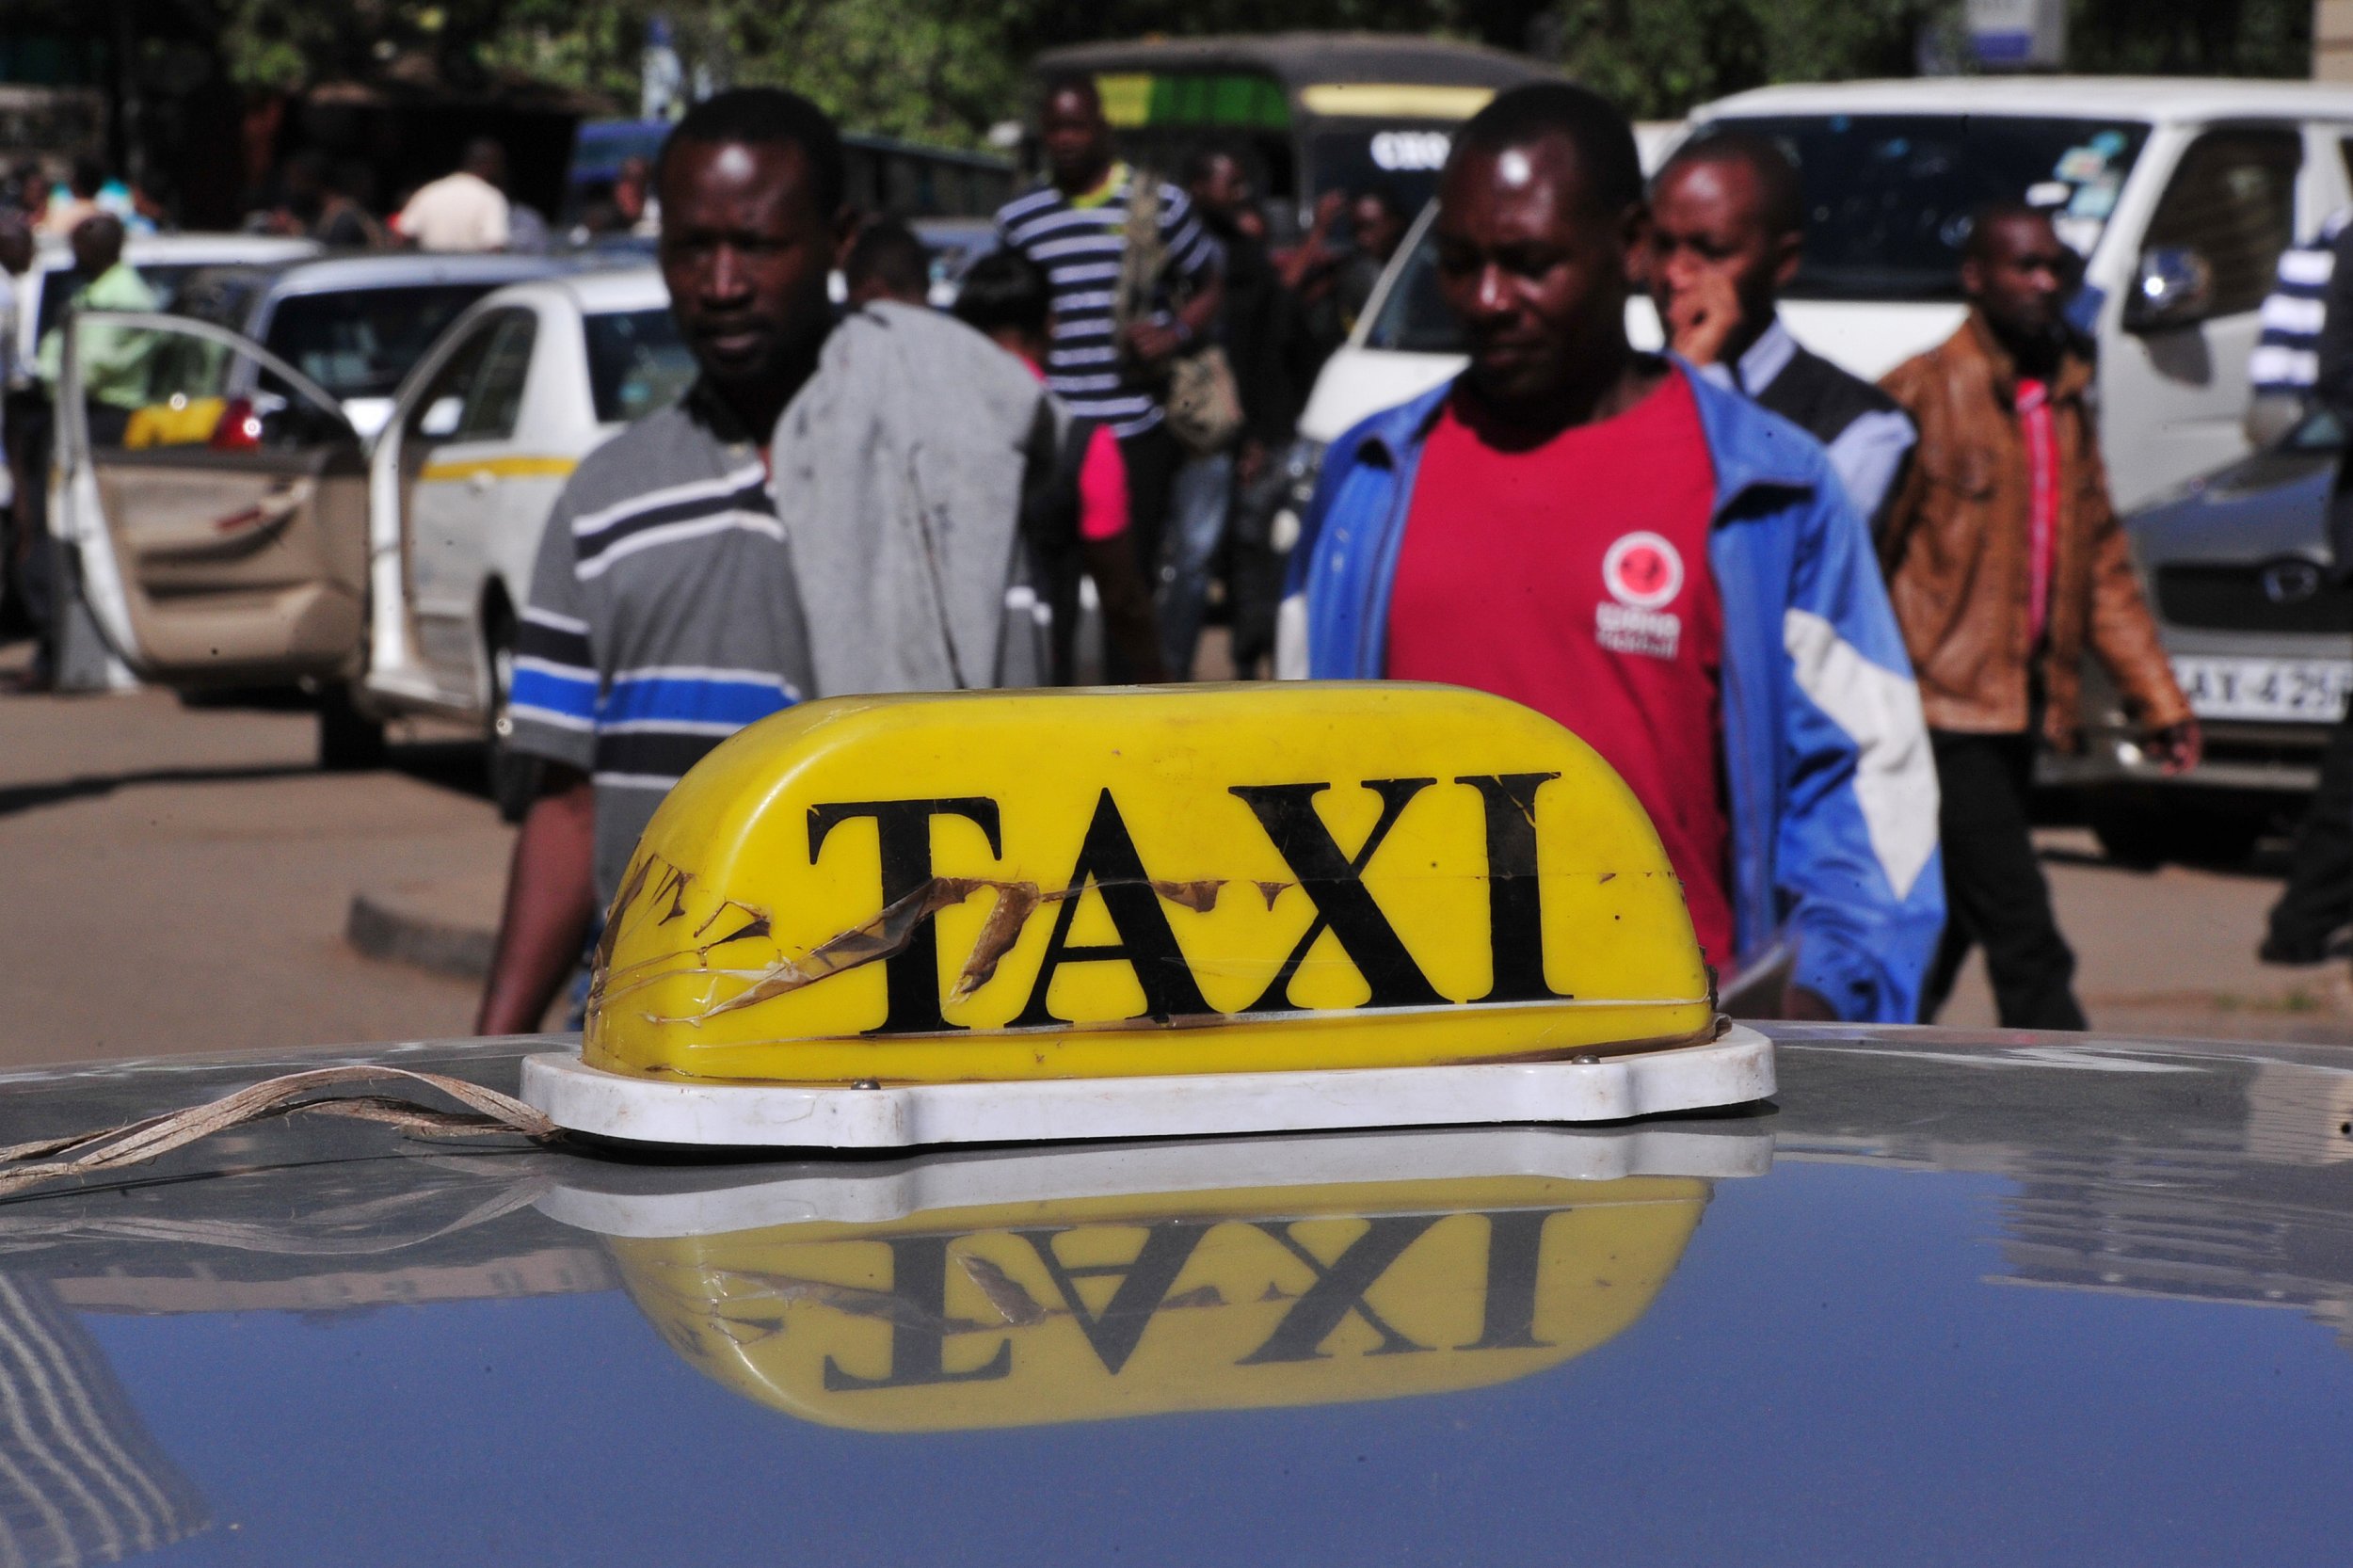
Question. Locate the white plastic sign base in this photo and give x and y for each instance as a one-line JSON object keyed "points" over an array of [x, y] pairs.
{"points": [[863, 1193], [1734, 1069]]}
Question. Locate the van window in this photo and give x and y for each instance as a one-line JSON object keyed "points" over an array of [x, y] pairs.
{"points": [[1888, 200], [1888, 197], [2232, 200]]}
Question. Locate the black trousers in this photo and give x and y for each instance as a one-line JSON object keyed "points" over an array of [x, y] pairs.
{"points": [[1994, 893], [1152, 458], [2320, 895]]}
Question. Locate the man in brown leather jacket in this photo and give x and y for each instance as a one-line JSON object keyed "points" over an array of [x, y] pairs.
{"points": [[2005, 561]]}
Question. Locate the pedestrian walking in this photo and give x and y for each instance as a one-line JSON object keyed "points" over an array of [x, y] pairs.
{"points": [[114, 364], [2306, 359], [888, 261], [1727, 235], [1666, 569], [346, 219], [2004, 564], [633, 201], [16, 259], [465, 210], [1377, 221], [1274, 361], [112, 361], [84, 180], [666, 608], [1076, 515], [1078, 229], [301, 194], [2286, 365]]}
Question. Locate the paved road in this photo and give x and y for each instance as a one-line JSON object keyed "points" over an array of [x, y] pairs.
{"points": [[178, 879], [2171, 952]]}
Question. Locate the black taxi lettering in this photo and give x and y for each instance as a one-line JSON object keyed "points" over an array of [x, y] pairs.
{"points": [[1111, 867], [1334, 882], [903, 830], [920, 1325], [1109, 860]]}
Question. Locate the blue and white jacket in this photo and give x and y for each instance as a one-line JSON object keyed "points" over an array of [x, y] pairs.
{"points": [[1834, 859]]}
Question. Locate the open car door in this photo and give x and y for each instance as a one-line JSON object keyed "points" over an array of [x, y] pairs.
{"points": [[216, 499]]}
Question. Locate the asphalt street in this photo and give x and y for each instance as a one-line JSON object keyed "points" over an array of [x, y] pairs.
{"points": [[180, 879]]}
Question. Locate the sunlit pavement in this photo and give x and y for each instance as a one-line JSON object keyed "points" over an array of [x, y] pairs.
{"points": [[178, 879], [2173, 952]]}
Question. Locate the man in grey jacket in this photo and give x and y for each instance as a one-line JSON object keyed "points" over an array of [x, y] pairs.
{"points": [[691, 580]]}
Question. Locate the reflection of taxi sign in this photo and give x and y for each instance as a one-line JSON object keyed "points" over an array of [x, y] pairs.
{"points": [[912, 919], [1094, 1284]]}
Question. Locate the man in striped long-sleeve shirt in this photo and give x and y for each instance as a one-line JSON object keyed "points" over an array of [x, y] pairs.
{"points": [[1075, 228], [2286, 362], [2307, 353]]}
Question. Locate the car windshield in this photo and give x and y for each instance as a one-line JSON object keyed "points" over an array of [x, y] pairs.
{"points": [[638, 363], [1888, 197], [1887, 204], [358, 343], [1413, 317], [1401, 160], [164, 279]]}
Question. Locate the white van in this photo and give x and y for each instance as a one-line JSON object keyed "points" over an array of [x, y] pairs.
{"points": [[2179, 194]]}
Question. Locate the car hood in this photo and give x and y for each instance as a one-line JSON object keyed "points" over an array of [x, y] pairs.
{"points": [[2268, 503], [1949, 1298]]}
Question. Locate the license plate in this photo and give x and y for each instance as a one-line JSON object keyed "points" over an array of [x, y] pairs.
{"points": [[2311, 691]]}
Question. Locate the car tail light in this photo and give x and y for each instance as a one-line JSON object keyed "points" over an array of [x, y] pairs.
{"points": [[240, 427]]}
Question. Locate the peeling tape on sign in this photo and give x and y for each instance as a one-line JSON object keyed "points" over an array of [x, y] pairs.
{"points": [[1185, 880]]}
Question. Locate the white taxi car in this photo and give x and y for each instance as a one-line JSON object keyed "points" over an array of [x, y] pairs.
{"points": [[279, 547], [482, 437]]}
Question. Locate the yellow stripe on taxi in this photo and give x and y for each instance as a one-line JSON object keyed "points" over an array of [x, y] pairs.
{"points": [[498, 467]]}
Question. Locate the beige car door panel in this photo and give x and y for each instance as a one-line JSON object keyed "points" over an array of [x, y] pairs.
{"points": [[222, 538], [240, 566]]}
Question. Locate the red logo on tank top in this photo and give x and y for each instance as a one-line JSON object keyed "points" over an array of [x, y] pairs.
{"points": [[1643, 571]]}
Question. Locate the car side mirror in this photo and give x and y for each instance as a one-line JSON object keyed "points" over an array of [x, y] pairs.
{"points": [[440, 418], [2174, 287]]}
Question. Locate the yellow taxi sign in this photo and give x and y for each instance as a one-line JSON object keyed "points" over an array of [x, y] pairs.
{"points": [[1183, 880], [1081, 1310]]}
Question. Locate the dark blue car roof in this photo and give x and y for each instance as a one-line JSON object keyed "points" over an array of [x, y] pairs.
{"points": [[1998, 1299]]}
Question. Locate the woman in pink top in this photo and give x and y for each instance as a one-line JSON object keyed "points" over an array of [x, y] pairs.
{"points": [[1077, 521]]}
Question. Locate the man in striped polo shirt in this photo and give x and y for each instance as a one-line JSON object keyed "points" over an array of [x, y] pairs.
{"points": [[1075, 228], [682, 591]]}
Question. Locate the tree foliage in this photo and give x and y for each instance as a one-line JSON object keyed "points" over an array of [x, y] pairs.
{"points": [[945, 69]]}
